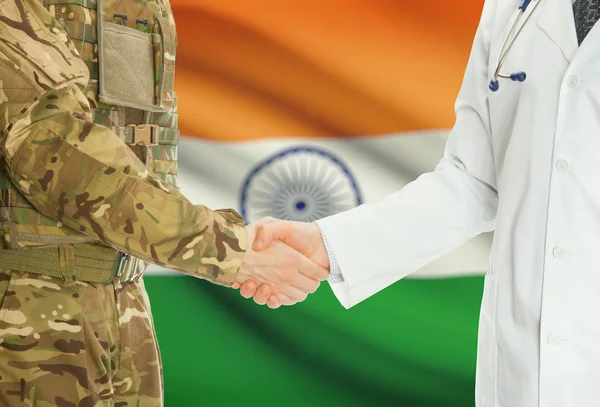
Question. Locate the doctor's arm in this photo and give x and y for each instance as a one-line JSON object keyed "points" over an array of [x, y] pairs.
{"points": [[377, 244]]}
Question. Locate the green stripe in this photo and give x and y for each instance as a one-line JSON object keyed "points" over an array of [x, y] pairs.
{"points": [[413, 344], [89, 4]]}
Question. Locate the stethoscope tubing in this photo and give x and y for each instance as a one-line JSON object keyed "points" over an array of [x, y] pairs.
{"points": [[507, 45]]}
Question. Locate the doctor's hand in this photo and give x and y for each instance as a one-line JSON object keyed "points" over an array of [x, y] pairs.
{"points": [[288, 274], [303, 237]]}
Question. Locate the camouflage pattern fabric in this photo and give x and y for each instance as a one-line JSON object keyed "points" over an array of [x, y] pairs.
{"points": [[165, 62], [67, 177], [86, 345], [79, 173], [79, 21]]}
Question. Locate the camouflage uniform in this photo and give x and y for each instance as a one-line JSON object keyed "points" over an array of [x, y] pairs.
{"points": [[88, 134]]}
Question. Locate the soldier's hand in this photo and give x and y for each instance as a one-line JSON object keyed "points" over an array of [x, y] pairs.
{"points": [[285, 272]]}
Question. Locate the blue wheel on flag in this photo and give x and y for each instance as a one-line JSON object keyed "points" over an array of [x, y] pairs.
{"points": [[301, 184]]}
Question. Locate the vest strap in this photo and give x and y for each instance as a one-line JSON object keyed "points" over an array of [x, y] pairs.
{"points": [[66, 256], [147, 134]]}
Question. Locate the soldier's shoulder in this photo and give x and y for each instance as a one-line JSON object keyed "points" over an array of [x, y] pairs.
{"points": [[36, 47]]}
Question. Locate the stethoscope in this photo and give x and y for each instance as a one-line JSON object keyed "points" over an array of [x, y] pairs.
{"points": [[507, 45]]}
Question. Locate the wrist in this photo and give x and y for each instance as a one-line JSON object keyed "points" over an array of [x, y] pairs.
{"points": [[324, 248], [245, 270]]}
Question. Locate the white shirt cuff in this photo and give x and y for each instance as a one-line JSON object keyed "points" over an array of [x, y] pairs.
{"points": [[335, 274]]}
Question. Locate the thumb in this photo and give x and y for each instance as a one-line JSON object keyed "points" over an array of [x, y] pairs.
{"points": [[264, 238], [267, 232]]}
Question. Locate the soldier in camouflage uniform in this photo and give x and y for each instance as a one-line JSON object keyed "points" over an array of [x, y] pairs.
{"points": [[88, 197]]}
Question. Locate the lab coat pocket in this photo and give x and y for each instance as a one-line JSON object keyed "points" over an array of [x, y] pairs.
{"points": [[485, 388]]}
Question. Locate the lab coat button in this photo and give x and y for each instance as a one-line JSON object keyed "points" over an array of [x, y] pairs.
{"points": [[553, 339], [559, 253], [562, 165], [572, 81]]}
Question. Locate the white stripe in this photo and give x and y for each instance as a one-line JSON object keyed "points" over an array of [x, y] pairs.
{"points": [[211, 173]]}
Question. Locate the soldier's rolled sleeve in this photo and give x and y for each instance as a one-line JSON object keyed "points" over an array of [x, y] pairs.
{"points": [[84, 176]]}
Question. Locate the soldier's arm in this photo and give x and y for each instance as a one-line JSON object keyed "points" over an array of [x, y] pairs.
{"points": [[82, 174]]}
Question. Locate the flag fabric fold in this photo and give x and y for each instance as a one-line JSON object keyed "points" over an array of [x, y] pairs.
{"points": [[298, 110]]}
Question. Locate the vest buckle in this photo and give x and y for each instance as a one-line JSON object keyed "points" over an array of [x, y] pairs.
{"points": [[144, 134], [127, 268]]}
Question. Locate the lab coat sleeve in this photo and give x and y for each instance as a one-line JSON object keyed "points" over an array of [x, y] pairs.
{"points": [[377, 244]]}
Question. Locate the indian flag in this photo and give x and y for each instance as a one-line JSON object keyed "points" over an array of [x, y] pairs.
{"points": [[299, 110]]}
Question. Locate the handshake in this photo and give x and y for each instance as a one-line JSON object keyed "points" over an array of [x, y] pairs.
{"points": [[285, 261]]}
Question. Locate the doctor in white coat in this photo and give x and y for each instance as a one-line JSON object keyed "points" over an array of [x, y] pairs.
{"points": [[523, 160]]}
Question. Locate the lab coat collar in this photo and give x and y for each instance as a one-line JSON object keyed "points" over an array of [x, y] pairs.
{"points": [[556, 19]]}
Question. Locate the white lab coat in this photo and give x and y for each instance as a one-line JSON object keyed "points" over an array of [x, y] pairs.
{"points": [[524, 161]]}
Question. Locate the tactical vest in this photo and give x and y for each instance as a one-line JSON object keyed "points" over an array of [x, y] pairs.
{"points": [[129, 48]]}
